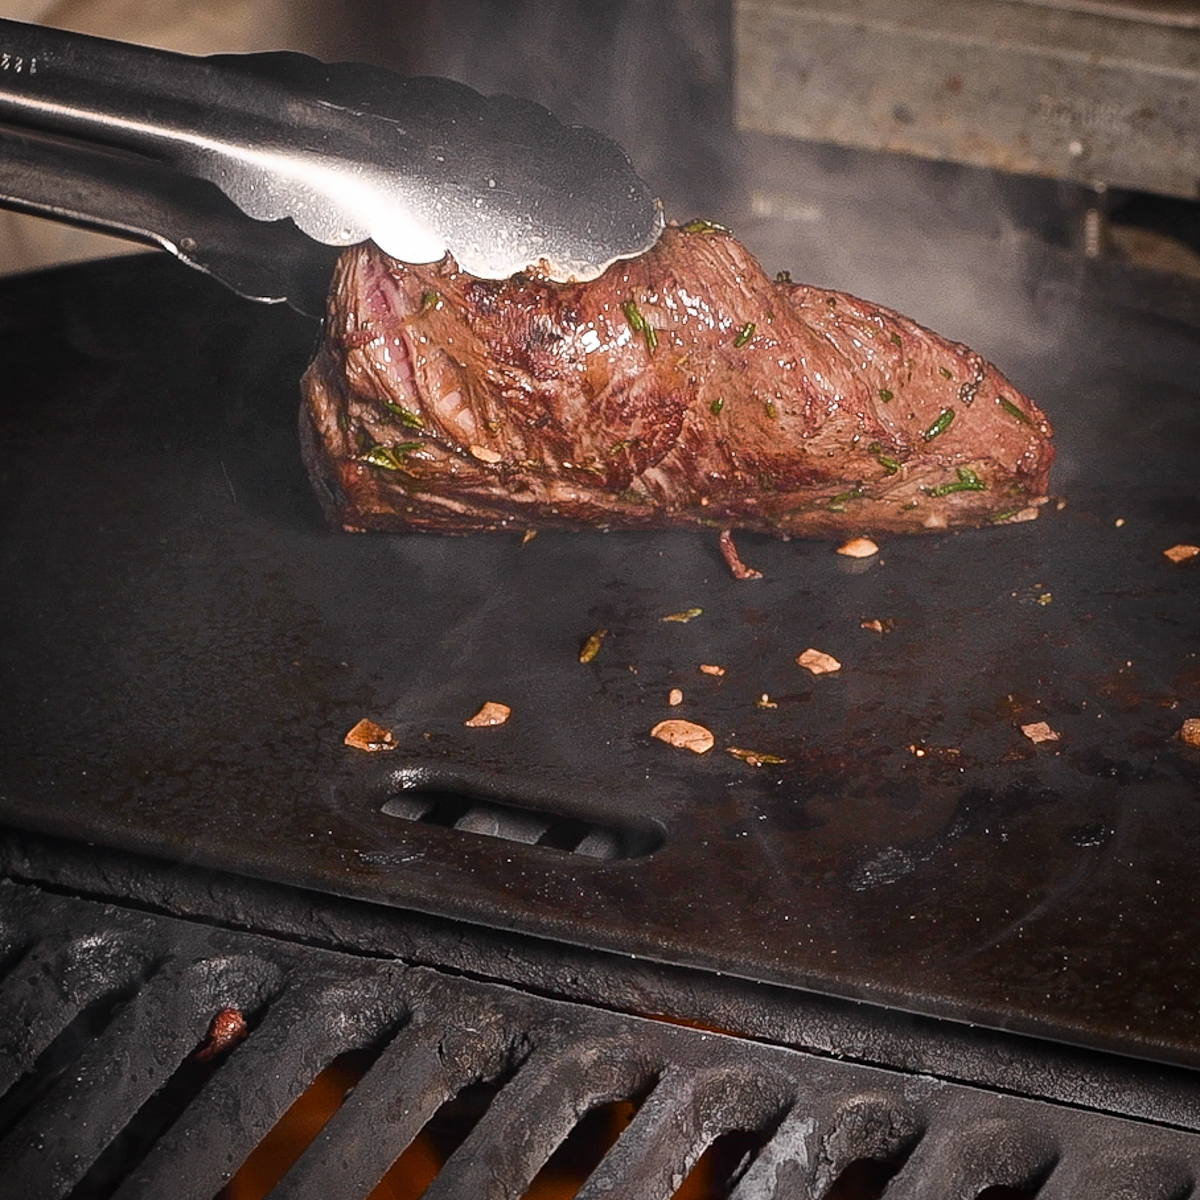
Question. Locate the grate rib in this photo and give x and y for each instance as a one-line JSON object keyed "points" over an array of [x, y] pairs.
{"points": [[51, 1149], [796, 1161], [688, 1109], [422, 1067], [252, 1090], [970, 1150], [534, 1113], [1120, 1171], [47, 989], [654, 1154]]}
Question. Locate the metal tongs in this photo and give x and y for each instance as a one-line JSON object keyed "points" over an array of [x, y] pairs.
{"points": [[179, 151]]}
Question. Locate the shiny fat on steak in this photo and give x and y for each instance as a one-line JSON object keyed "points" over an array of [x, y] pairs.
{"points": [[682, 389]]}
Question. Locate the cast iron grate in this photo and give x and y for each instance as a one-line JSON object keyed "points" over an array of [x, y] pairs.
{"points": [[108, 1089]]}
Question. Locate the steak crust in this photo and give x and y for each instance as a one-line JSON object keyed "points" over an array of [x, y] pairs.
{"points": [[681, 389]]}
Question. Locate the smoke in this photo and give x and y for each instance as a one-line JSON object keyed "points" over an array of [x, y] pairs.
{"points": [[953, 247]]}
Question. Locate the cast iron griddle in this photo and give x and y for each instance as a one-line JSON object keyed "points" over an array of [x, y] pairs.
{"points": [[184, 646]]}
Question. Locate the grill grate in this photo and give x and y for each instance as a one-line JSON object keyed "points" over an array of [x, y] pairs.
{"points": [[159, 981]]}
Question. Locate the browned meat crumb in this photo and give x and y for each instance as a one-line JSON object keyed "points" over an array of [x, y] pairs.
{"points": [[1181, 552], [227, 1029], [860, 547], [686, 735], [675, 697], [366, 735], [818, 662], [712, 669], [1190, 732], [1039, 731], [492, 713]]}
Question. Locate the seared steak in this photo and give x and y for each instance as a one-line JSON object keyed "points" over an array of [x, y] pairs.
{"points": [[681, 389]]}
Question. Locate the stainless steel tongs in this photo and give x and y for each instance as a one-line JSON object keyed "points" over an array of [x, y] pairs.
{"points": [[154, 146]]}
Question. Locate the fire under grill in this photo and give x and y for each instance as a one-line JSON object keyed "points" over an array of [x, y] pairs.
{"points": [[114, 1086]]}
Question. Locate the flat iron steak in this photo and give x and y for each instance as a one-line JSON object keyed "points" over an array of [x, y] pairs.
{"points": [[682, 389]]}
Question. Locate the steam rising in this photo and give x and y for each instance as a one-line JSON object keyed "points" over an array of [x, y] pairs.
{"points": [[948, 246]]}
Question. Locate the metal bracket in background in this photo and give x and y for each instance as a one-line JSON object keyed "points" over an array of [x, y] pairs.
{"points": [[1085, 90]]}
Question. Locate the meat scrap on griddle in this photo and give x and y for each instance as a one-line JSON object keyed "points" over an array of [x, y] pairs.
{"points": [[682, 389]]}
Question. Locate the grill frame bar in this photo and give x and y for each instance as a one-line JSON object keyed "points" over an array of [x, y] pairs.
{"points": [[555, 1060]]}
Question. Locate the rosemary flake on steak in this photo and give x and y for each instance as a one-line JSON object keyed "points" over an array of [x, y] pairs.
{"points": [[682, 389]]}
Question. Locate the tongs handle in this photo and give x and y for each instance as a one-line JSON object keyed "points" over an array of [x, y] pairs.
{"points": [[348, 152], [104, 91]]}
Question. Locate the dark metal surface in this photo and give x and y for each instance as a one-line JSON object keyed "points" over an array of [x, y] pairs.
{"points": [[184, 648], [102, 1092], [349, 152]]}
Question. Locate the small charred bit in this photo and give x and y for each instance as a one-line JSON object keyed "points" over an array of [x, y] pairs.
{"points": [[733, 560], [739, 402]]}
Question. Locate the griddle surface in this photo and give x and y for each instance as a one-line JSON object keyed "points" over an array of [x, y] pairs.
{"points": [[184, 646]]}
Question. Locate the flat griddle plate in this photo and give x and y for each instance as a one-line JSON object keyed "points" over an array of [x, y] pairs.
{"points": [[184, 646]]}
